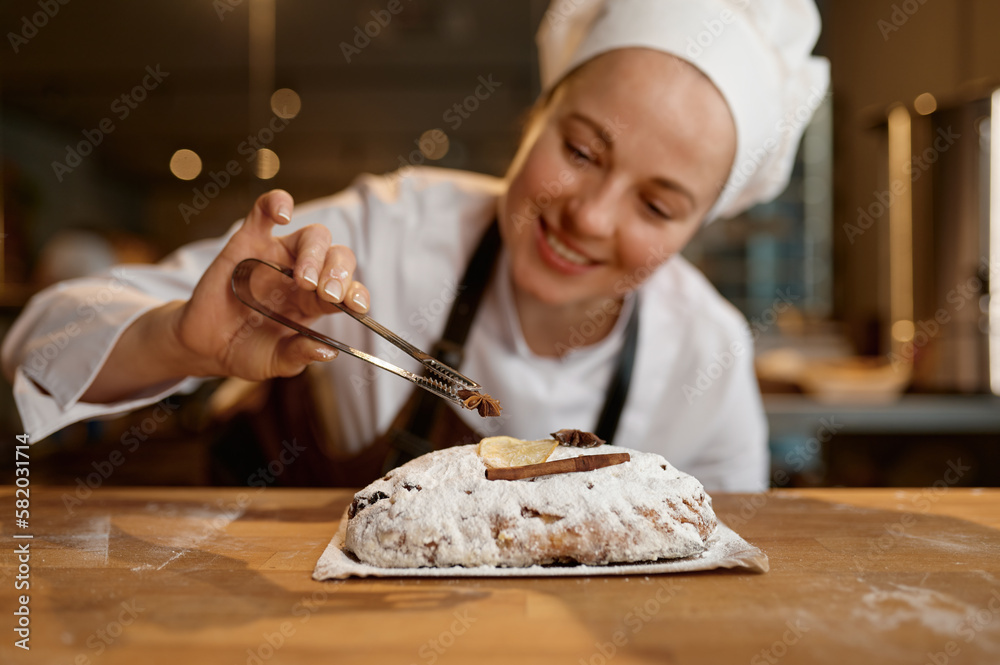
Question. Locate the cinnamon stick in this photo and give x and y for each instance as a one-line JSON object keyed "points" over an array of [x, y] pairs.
{"points": [[581, 463]]}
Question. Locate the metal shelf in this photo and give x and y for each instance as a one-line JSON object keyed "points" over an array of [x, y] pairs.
{"points": [[801, 415]]}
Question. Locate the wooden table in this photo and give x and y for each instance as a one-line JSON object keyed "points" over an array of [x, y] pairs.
{"points": [[223, 576]]}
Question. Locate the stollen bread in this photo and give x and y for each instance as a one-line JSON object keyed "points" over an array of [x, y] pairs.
{"points": [[440, 510]]}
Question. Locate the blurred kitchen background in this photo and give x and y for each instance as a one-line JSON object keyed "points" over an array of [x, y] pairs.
{"points": [[866, 284]]}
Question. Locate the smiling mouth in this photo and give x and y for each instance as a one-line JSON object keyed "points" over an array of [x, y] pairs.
{"points": [[562, 251]]}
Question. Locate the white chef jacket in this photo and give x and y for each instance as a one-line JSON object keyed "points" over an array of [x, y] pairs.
{"points": [[693, 396]]}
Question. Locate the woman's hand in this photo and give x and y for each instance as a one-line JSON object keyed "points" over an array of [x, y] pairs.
{"points": [[208, 324], [201, 337]]}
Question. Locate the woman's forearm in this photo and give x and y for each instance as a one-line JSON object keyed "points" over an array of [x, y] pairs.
{"points": [[147, 354]]}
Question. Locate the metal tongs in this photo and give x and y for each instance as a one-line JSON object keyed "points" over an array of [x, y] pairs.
{"points": [[445, 382]]}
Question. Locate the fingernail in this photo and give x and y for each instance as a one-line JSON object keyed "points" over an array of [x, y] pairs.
{"points": [[334, 289], [325, 354], [311, 276], [284, 214], [360, 300]]}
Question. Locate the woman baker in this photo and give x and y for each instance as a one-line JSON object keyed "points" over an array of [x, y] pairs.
{"points": [[559, 288]]}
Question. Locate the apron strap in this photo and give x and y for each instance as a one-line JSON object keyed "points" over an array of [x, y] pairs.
{"points": [[614, 402], [450, 348], [410, 440]]}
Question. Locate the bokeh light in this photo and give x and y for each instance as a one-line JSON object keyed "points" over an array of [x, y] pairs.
{"points": [[902, 331], [434, 144], [925, 104], [286, 103], [185, 164], [266, 164]]}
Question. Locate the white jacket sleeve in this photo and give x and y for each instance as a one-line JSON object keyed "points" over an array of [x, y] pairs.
{"points": [[63, 337]]}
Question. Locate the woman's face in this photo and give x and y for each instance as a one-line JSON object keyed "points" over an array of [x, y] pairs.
{"points": [[614, 176]]}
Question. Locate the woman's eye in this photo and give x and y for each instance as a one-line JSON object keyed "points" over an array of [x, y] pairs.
{"points": [[576, 152], [658, 211]]}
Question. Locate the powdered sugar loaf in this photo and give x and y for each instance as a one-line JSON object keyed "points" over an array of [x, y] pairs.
{"points": [[440, 510]]}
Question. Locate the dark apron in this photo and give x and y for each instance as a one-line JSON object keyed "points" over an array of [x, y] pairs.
{"points": [[290, 434]]}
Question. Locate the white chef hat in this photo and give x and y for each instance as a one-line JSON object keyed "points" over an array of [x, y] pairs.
{"points": [[756, 52]]}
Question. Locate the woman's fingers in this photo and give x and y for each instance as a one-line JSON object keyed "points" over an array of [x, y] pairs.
{"points": [[274, 207], [337, 274], [337, 280], [358, 297], [326, 270], [294, 353], [310, 249]]}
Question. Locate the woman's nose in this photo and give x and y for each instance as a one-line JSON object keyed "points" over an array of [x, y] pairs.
{"points": [[592, 209]]}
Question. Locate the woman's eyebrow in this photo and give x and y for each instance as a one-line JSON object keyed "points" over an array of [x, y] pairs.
{"points": [[673, 185], [593, 124], [662, 182]]}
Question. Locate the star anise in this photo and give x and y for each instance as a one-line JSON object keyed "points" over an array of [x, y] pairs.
{"points": [[487, 405], [577, 438]]}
